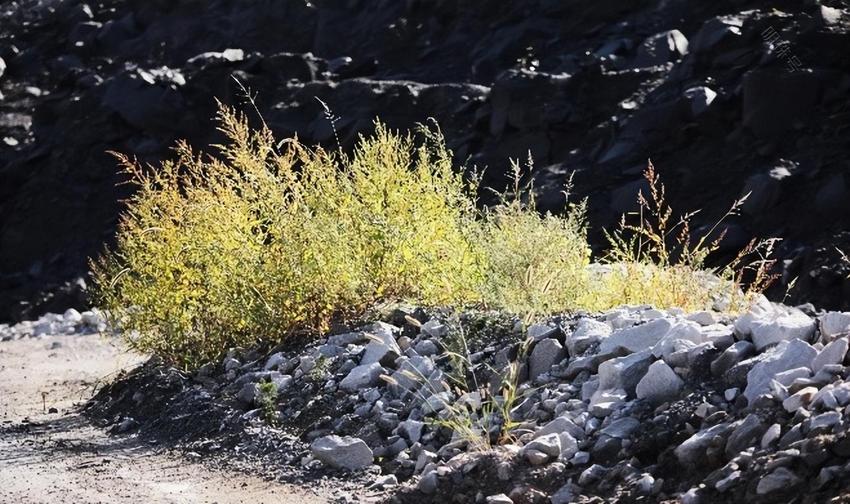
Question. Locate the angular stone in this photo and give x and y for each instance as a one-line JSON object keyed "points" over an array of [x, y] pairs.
{"points": [[661, 48], [637, 338], [770, 435], [546, 353], [833, 353], [799, 399], [770, 323], [624, 372], [342, 452], [367, 375], [747, 433], [780, 479], [833, 325], [787, 355], [659, 384], [587, 332], [692, 452], [734, 354], [559, 425], [383, 347]]}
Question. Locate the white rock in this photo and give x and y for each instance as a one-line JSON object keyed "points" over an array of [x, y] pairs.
{"points": [[549, 444], [342, 452], [587, 332], [559, 425], [538, 332], [786, 355], [72, 316], [499, 499], [274, 361], [769, 323], [771, 435], [637, 338], [799, 399], [833, 353], [731, 393], [833, 325], [546, 353], [624, 372], [681, 336], [786, 378], [382, 343], [703, 318], [367, 375], [659, 384]]}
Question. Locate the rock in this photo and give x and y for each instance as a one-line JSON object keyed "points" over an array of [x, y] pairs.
{"points": [[730, 394], [699, 98], [637, 338], [539, 332], [2, 67], [72, 316], [499, 499], [770, 436], [536, 457], [703, 318], [833, 353], [385, 481], [565, 495], [661, 48], [412, 373], [692, 452], [728, 482], [786, 378], [587, 332], [799, 399], [780, 479], [833, 325], [549, 444], [592, 474], [746, 434], [624, 372], [768, 323], [367, 375], [825, 421], [411, 429], [274, 361], [247, 393], [428, 483], [382, 347], [736, 353], [660, 384], [435, 329], [342, 452], [621, 428], [786, 355], [681, 336], [546, 353], [426, 348], [559, 425]]}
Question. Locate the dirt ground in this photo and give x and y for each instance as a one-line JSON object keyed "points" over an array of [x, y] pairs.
{"points": [[60, 458]]}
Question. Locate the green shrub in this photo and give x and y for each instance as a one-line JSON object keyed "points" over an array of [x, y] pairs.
{"points": [[270, 239]]}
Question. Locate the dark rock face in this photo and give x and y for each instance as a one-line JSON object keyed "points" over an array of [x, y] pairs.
{"points": [[726, 97]]}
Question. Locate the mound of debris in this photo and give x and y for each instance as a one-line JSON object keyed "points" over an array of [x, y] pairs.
{"points": [[727, 97], [633, 405]]}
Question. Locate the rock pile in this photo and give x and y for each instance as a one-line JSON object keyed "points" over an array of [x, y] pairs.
{"points": [[728, 97], [70, 322], [635, 404]]}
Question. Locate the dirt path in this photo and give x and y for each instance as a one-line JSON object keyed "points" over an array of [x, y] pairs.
{"points": [[60, 458]]}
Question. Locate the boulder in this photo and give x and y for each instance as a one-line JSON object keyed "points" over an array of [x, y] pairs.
{"points": [[382, 347], [637, 338], [342, 452], [366, 375], [546, 353], [787, 355], [833, 325], [624, 372], [768, 323], [659, 384], [780, 479], [833, 353], [587, 332]]}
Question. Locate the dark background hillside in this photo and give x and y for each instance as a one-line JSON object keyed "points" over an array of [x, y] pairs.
{"points": [[726, 97]]}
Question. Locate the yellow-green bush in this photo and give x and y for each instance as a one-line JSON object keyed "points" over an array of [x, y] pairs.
{"points": [[270, 239]]}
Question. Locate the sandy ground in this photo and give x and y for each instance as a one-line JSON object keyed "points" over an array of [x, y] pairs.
{"points": [[61, 458]]}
